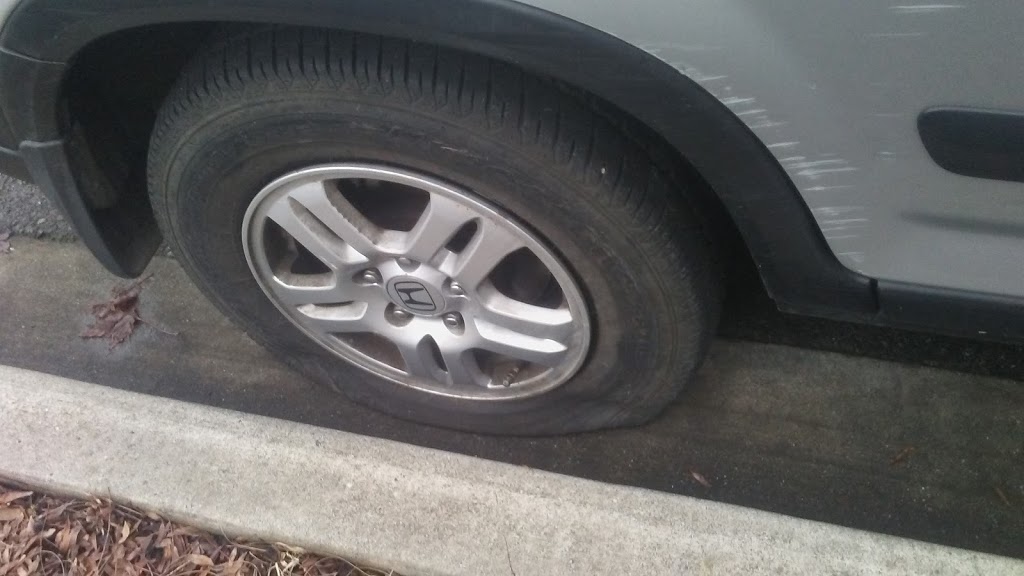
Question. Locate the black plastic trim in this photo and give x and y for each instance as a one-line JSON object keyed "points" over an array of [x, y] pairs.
{"points": [[12, 165], [955, 312], [29, 92], [796, 264], [123, 242], [7, 139], [975, 142]]}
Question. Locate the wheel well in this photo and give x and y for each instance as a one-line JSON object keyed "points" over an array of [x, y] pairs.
{"points": [[109, 99], [113, 90]]}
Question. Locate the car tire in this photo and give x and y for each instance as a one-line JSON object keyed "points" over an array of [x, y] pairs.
{"points": [[261, 103]]}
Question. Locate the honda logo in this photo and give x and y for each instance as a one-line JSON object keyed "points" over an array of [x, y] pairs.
{"points": [[414, 296]]}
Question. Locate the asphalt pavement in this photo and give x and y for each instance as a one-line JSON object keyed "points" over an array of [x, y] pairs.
{"points": [[933, 454], [892, 431]]}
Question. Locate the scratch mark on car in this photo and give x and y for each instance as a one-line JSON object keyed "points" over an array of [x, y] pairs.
{"points": [[841, 228], [767, 124], [925, 8], [783, 145], [896, 34], [831, 211], [843, 221], [749, 112], [815, 173], [659, 46], [856, 257], [843, 237], [817, 163], [825, 188], [709, 78], [734, 100]]}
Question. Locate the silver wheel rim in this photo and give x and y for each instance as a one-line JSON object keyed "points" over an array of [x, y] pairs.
{"points": [[448, 296]]}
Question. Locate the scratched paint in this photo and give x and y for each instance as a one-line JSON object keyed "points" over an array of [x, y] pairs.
{"points": [[896, 34], [925, 8], [826, 170], [734, 100], [826, 188], [814, 169], [766, 124], [834, 211]]}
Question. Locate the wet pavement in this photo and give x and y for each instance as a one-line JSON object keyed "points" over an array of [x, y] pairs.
{"points": [[932, 453]]}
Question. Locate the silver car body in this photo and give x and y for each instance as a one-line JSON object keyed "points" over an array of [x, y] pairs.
{"points": [[833, 89]]}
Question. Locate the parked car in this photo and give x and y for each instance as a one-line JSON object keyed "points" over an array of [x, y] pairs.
{"points": [[511, 217]]}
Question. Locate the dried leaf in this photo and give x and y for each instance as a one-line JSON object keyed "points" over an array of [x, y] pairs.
{"points": [[902, 456], [96, 537], [116, 319], [199, 560], [8, 497], [11, 514], [700, 479]]}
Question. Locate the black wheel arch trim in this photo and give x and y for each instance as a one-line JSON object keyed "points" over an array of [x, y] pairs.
{"points": [[798, 269]]}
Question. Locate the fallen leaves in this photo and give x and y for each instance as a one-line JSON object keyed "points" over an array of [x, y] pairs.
{"points": [[700, 479], [902, 456], [9, 514], [5, 241], [117, 318], [9, 497], [41, 534]]}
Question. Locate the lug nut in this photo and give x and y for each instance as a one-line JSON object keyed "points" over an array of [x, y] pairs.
{"points": [[370, 276], [452, 320], [400, 314], [405, 262], [455, 289]]}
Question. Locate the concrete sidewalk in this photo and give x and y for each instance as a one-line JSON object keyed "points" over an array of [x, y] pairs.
{"points": [[418, 510]]}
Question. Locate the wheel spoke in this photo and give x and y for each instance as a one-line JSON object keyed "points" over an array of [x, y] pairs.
{"points": [[419, 358], [440, 221], [298, 289], [337, 215], [536, 321], [347, 318], [513, 344], [313, 235], [463, 371], [486, 250]]}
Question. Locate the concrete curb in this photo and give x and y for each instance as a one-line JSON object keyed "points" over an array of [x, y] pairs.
{"points": [[417, 510]]}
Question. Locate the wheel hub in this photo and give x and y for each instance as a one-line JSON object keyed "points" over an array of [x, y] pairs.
{"points": [[416, 281], [418, 292]]}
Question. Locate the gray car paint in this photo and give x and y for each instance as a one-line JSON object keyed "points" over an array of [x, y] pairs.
{"points": [[833, 88]]}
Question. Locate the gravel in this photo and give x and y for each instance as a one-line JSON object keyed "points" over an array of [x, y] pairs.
{"points": [[25, 211]]}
